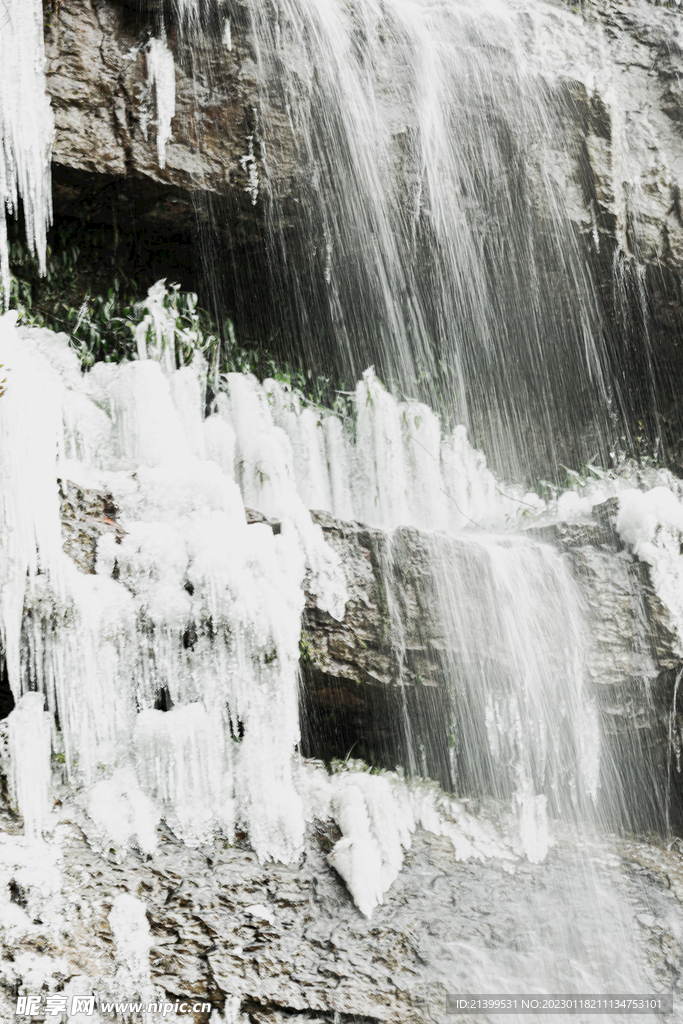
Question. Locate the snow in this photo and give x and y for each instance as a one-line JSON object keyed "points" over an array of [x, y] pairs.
{"points": [[260, 913]]}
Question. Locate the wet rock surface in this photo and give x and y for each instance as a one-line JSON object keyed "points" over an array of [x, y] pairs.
{"points": [[267, 944], [278, 941], [106, 110], [387, 659], [620, 62], [633, 125], [386, 664]]}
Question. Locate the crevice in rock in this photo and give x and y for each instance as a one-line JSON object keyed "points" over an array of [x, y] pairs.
{"points": [[6, 695]]}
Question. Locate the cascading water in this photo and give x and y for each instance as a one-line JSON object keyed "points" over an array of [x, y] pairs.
{"points": [[431, 234], [525, 723], [173, 670], [164, 686], [170, 675]]}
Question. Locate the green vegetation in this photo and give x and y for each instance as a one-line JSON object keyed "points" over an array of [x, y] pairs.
{"points": [[88, 295]]}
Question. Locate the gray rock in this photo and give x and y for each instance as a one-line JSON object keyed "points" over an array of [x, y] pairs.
{"points": [[619, 63], [86, 516], [387, 662], [105, 112], [320, 960]]}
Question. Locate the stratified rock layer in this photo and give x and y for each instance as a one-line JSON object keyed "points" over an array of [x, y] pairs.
{"points": [[620, 63], [376, 684], [272, 944]]}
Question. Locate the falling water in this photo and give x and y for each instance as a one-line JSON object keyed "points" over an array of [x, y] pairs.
{"points": [[170, 674], [166, 681], [430, 228], [525, 722]]}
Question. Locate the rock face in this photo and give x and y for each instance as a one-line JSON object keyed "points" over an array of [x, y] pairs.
{"points": [[86, 516], [376, 684], [387, 661], [105, 104], [107, 172], [271, 943], [620, 62]]}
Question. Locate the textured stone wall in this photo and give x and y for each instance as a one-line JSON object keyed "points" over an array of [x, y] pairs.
{"points": [[620, 63], [376, 684], [272, 943], [105, 106]]}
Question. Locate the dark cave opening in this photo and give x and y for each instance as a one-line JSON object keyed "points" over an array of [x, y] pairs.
{"points": [[138, 231], [6, 695]]}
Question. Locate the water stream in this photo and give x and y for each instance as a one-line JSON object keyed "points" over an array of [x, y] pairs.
{"points": [[164, 685], [431, 227]]}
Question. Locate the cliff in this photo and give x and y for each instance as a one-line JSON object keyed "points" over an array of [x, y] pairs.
{"points": [[391, 658], [620, 63], [272, 943]]}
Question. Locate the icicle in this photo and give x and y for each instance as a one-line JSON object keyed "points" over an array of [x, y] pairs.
{"points": [[161, 76], [227, 34], [26, 130], [29, 748], [133, 938], [250, 167], [184, 766], [30, 432], [377, 815], [173, 670]]}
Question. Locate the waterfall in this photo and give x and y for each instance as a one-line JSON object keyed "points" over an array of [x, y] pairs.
{"points": [[432, 234], [524, 719], [170, 674], [159, 686], [172, 671]]}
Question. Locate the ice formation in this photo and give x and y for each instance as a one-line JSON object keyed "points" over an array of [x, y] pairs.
{"points": [[651, 523], [161, 77], [26, 129], [131, 931], [377, 815], [649, 520], [398, 468], [173, 671], [29, 761]]}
